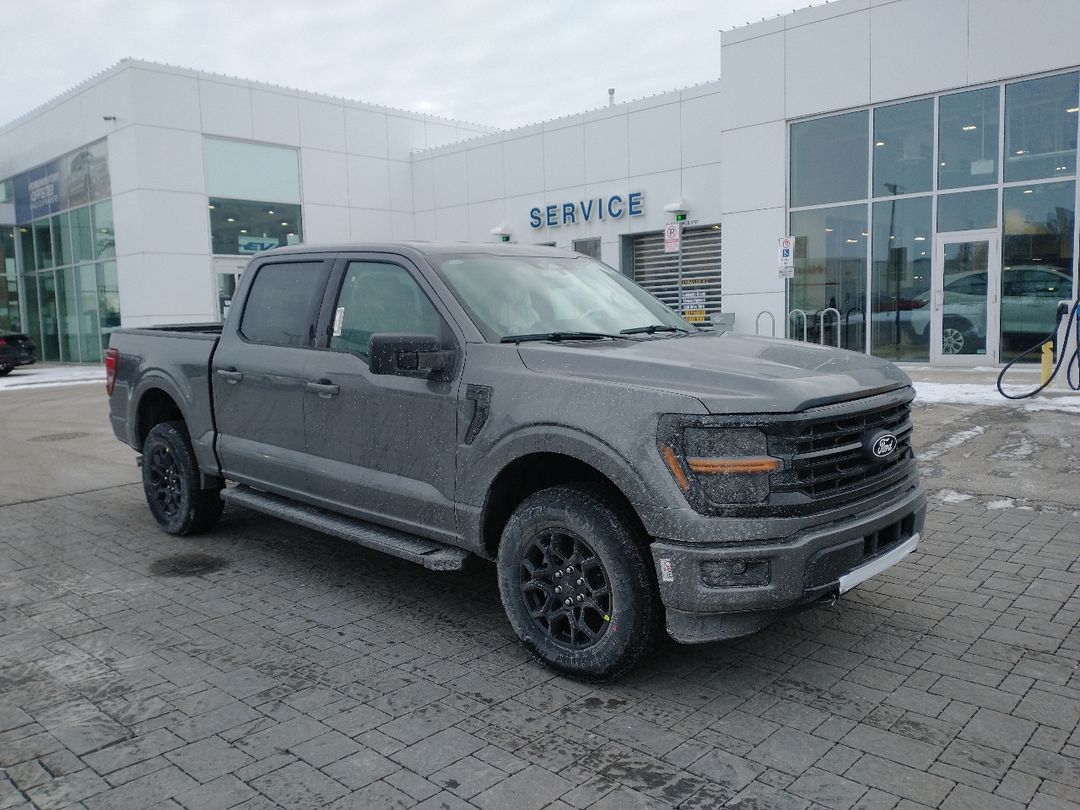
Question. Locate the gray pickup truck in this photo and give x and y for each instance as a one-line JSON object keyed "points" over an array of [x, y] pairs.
{"points": [[625, 470]]}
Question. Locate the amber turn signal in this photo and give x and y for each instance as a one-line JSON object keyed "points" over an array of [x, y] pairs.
{"points": [[716, 466], [673, 464]]}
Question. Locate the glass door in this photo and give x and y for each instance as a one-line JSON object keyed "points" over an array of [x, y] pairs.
{"points": [[965, 318]]}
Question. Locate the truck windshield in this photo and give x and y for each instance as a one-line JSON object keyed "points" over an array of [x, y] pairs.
{"points": [[534, 295]]}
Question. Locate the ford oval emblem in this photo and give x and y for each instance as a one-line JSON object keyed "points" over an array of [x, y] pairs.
{"points": [[880, 444]]}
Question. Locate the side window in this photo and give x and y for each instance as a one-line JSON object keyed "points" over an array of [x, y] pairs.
{"points": [[282, 304], [380, 297]]}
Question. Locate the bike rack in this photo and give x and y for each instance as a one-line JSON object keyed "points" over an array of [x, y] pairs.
{"points": [[821, 325], [804, 321], [772, 320]]}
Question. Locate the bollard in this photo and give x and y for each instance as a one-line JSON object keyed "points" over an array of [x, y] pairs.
{"points": [[1047, 362]]}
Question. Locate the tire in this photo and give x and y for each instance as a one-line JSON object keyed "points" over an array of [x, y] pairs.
{"points": [[575, 538], [171, 482], [5, 370]]}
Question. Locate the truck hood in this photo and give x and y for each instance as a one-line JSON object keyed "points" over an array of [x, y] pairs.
{"points": [[728, 373]]}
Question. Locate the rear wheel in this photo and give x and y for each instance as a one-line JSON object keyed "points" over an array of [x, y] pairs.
{"points": [[577, 584], [171, 482], [5, 370]]}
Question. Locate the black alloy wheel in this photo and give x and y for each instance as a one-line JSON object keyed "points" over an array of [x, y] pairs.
{"points": [[173, 485], [165, 483], [566, 589], [577, 583]]}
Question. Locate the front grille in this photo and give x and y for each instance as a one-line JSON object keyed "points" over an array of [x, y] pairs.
{"points": [[824, 455]]}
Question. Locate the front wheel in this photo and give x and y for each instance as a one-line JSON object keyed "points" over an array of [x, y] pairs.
{"points": [[171, 482], [577, 584]]}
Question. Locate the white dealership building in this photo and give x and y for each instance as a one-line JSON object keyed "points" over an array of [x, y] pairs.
{"points": [[919, 154]]}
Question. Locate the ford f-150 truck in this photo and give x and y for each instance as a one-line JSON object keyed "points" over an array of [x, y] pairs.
{"points": [[531, 406]]}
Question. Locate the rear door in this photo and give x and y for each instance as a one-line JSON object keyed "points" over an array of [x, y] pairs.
{"points": [[259, 374], [382, 447]]}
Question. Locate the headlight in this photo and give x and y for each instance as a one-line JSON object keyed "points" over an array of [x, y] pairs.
{"points": [[727, 465]]}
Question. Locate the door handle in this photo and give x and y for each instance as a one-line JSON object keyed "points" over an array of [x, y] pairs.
{"points": [[231, 375], [324, 388]]}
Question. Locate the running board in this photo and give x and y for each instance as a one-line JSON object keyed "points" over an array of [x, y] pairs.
{"points": [[428, 553]]}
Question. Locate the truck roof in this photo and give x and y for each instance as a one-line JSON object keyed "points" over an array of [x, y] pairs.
{"points": [[427, 248]]}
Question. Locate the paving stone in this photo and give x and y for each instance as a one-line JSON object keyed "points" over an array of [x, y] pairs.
{"points": [[827, 789], [529, 789], [900, 780], [326, 748], [896, 747], [143, 792], [360, 769], [998, 730], [208, 759], [437, 751], [790, 751], [967, 798], [299, 786]]}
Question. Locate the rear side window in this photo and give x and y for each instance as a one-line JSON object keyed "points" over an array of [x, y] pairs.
{"points": [[282, 304]]}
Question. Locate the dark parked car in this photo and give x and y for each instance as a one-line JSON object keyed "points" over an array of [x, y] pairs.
{"points": [[534, 407], [16, 349]]}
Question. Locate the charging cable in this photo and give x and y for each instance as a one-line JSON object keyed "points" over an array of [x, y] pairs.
{"points": [[1074, 360]]}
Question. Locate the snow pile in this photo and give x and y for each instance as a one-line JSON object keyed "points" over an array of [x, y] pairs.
{"points": [[25, 377], [987, 394]]}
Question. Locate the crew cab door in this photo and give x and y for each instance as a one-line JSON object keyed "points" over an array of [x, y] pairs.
{"points": [[259, 374], [381, 447]]}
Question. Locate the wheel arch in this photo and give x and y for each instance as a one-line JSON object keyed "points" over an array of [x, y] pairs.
{"points": [[531, 472]]}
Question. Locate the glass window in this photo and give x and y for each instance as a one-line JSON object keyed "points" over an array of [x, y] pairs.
{"points": [[61, 234], [9, 294], [252, 171], [904, 148], [1037, 255], [26, 249], [1040, 128], [49, 347], [830, 272], [89, 323], [588, 247], [67, 298], [108, 295], [967, 211], [82, 235], [828, 159], [104, 235], [968, 139], [245, 227], [33, 319], [282, 304], [900, 285], [377, 297], [43, 246]]}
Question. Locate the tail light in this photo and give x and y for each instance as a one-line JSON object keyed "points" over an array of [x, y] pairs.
{"points": [[3, 341], [112, 360]]}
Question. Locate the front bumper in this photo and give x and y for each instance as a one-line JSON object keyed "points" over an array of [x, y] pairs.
{"points": [[724, 590]]}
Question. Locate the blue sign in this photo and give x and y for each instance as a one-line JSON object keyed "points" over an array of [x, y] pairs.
{"points": [[39, 192], [600, 208]]}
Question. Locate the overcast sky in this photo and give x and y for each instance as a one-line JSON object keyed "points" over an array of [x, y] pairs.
{"points": [[485, 61]]}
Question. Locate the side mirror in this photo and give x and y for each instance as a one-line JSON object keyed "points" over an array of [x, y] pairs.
{"points": [[405, 355]]}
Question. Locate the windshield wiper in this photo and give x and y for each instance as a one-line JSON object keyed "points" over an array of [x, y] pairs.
{"points": [[557, 336], [652, 329]]}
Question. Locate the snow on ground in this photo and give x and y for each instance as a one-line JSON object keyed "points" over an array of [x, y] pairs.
{"points": [[951, 442], [987, 394], [49, 376], [952, 496]]}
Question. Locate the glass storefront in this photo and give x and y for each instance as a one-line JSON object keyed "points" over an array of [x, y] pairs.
{"points": [[999, 162], [66, 243], [9, 286]]}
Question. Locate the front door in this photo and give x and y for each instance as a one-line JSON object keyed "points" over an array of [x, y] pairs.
{"points": [[381, 447], [965, 290]]}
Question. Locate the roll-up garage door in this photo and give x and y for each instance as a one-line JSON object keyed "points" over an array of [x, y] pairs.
{"points": [[658, 272]]}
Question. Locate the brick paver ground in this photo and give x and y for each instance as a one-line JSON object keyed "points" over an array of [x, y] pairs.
{"points": [[264, 666]]}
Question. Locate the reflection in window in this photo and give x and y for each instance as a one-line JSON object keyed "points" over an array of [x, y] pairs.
{"points": [[377, 297], [104, 234], [968, 139], [9, 296], [830, 272], [252, 171], [903, 148], [1040, 128], [1037, 252], [43, 246], [900, 283], [240, 227], [828, 159], [967, 210]]}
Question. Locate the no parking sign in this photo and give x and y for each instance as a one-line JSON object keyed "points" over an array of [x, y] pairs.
{"points": [[786, 256]]}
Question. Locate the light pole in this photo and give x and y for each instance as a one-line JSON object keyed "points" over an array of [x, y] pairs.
{"points": [[680, 208]]}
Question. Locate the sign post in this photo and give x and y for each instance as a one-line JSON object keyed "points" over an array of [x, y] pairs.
{"points": [[673, 244]]}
